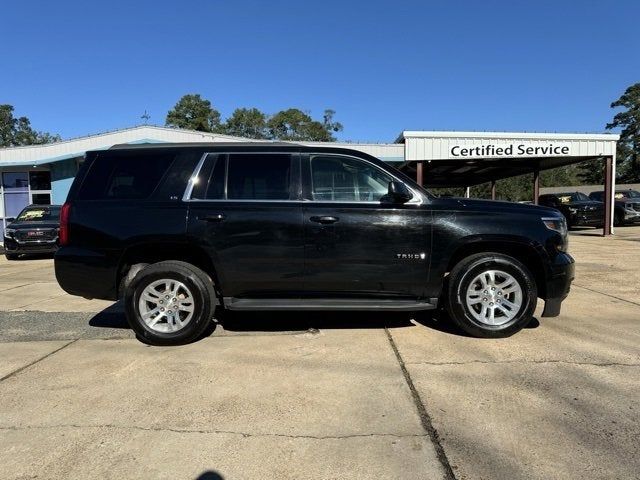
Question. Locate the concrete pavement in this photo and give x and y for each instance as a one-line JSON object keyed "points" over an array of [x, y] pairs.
{"points": [[357, 396]]}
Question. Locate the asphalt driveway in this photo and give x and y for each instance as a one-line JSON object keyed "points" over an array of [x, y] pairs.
{"points": [[325, 395]]}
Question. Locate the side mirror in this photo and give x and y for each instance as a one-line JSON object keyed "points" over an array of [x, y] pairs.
{"points": [[398, 193], [9, 220]]}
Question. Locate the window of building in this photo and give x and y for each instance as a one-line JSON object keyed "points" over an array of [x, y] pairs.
{"points": [[344, 179], [40, 180]]}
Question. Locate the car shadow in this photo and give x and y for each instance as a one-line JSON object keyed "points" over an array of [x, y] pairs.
{"points": [[300, 321], [273, 321], [110, 317]]}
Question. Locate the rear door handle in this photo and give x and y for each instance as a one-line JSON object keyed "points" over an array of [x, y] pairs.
{"points": [[325, 220], [216, 217]]}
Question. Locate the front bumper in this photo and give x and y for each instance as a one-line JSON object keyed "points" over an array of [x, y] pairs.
{"points": [[587, 220], [558, 284], [631, 216], [15, 247]]}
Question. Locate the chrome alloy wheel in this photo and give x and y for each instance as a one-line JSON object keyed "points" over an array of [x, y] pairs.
{"points": [[166, 306], [494, 297]]}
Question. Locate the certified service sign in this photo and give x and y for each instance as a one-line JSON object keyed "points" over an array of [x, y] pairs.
{"points": [[531, 149]]}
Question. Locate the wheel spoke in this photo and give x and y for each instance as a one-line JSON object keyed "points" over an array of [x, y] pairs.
{"points": [[493, 297], [179, 302]]}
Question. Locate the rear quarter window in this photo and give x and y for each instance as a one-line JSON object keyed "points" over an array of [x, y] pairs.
{"points": [[124, 177]]}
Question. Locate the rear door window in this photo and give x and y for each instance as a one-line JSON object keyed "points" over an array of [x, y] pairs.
{"points": [[259, 177]]}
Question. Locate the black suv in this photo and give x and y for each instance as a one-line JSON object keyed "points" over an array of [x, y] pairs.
{"points": [[627, 206], [33, 231], [578, 208], [176, 230]]}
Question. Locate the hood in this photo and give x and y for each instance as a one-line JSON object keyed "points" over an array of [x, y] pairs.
{"points": [[497, 206], [33, 225], [585, 203]]}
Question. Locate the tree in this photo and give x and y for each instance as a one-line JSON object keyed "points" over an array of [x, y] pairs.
{"points": [[247, 123], [628, 154], [295, 125], [18, 131], [194, 113]]}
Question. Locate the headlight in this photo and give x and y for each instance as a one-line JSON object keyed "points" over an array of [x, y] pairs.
{"points": [[9, 232], [573, 211], [557, 224]]}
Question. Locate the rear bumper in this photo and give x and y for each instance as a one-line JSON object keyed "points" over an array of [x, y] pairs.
{"points": [[33, 247], [558, 284], [87, 273]]}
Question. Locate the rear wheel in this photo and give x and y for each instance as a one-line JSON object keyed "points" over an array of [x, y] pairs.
{"points": [[491, 295], [170, 303]]}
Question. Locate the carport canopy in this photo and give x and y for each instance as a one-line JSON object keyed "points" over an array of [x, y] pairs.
{"points": [[463, 159]]}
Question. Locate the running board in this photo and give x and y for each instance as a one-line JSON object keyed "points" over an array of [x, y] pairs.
{"points": [[326, 304]]}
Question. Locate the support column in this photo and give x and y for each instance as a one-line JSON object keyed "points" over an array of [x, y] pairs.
{"points": [[467, 192], [536, 186], [419, 174], [609, 185], [493, 189]]}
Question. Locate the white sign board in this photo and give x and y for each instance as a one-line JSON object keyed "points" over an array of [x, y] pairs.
{"points": [[510, 150]]}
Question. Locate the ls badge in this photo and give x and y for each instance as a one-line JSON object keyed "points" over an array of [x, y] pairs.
{"points": [[411, 256]]}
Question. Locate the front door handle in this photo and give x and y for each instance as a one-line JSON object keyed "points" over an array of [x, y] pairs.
{"points": [[325, 220], [216, 217]]}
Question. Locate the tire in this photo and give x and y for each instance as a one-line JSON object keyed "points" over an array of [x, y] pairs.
{"points": [[618, 219], [466, 300], [191, 296], [11, 256]]}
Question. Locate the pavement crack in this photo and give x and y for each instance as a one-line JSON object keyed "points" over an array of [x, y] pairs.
{"points": [[425, 418], [24, 367], [209, 431], [605, 294], [497, 362]]}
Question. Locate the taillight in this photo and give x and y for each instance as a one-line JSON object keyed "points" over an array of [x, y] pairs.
{"points": [[64, 224]]}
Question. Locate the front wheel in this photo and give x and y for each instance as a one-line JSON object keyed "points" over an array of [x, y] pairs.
{"points": [[11, 256], [491, 295], [170, 303]]}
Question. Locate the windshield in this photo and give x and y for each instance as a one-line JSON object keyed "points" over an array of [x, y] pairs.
{"points": [[39, 214], [631, 194], [572, 197]]}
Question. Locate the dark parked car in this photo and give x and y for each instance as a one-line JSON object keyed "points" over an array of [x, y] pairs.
{"points": [[176, 230], [626, 208], [577, 208], [34, 230]]}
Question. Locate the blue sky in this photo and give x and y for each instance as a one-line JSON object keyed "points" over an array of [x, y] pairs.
{"points": [[80, 67]]}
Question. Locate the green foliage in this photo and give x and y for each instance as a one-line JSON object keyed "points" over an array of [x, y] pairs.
{"points": [[520, 188], [193, 112], [16, 132], [294, 124], [628, 120], [196, 113], [248, 123]]}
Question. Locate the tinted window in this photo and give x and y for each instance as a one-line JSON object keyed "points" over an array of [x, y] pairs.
{"points": [[344, 179], [40, 199], [40, 180], [15, 181], [597, 196], [210, 182], [124, 176], [258, 177]]}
